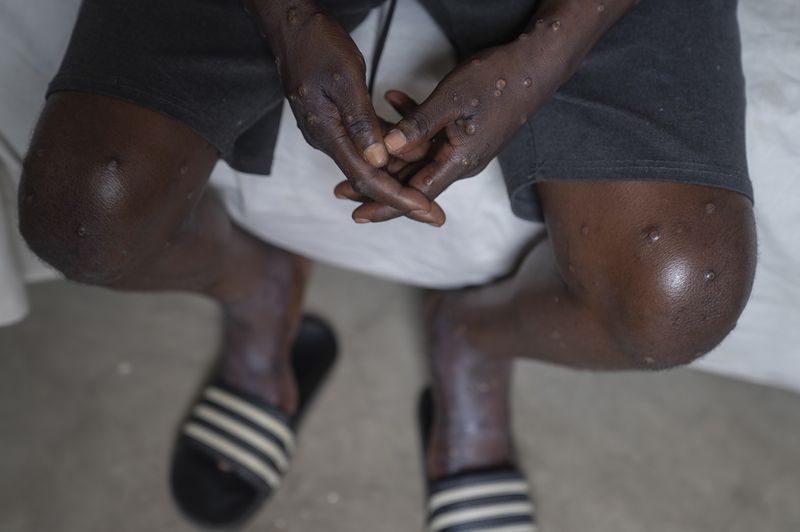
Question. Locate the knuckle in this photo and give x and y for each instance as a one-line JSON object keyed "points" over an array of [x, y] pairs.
{"points": [[466, 161], [359, 186], [315, 125], [310, 135], [418, 124], [349, 72], [359, 124]]}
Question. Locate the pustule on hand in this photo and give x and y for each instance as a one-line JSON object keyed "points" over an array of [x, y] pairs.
{"points": [[560, 34], [282, 20]]}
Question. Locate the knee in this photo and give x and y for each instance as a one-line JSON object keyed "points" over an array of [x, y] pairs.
{"points": [[679, 295], [85, 217]]}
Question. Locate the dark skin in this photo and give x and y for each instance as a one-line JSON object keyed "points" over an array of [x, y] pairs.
{"points": [[630, 275], [114, 195], [633, 276], [324, 77], [478, 107]]}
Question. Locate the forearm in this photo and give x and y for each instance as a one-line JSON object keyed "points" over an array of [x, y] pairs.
{"points": [[560, 35]]}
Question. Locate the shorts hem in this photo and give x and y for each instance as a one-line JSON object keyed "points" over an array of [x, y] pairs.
{"points": [[152, 100], [524, 199], [640, 170]]}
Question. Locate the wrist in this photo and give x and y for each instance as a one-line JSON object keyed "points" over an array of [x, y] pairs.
{"points": [[282, 20], [561, 34]]}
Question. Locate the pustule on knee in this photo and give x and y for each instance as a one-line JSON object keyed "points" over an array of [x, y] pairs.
{"points": [[77, 224], [81, 255], [679, 314]]}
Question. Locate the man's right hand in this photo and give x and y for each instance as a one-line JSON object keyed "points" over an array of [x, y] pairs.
{"points": [[324, 77]]}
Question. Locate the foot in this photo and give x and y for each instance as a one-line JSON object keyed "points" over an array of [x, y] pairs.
{"points": [[261, 316], [471, 425]]}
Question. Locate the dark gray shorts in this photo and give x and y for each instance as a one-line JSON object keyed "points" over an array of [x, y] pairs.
{"points": [[661, 97]]}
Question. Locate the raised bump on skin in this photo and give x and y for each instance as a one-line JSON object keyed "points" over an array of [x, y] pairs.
{"points": [[652, 233]]}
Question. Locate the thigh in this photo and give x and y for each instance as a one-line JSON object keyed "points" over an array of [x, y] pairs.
{"points": [[203, 63], [650, 102], [660, 98]]}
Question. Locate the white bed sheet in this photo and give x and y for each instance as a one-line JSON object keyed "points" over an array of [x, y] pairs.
{"points": [[480, 239]]}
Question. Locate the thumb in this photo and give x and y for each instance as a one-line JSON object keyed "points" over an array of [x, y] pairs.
{"points": [[423, 123], [361, 123]]}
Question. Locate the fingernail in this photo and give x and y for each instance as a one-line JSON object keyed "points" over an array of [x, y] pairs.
{"points": [[420, 212], [361, 220], [395, 140], [434, 224], [376, 155], [340, 196]]}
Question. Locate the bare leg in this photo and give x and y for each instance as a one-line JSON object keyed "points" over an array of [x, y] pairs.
{"points": [[114, 195], [634, 275]]}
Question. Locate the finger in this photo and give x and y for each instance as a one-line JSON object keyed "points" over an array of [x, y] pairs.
{"points": [[399, 169], [401, 102], [405, 105], [432, 179], [372, 182], [448, 167], [344, 190], [423, 123], [395, 166], [359, 119], [377, 212]]}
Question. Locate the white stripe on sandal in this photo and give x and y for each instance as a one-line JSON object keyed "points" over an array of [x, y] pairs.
{"points": [[228, 448], [256, 415], [218, 418], [465, 493]]}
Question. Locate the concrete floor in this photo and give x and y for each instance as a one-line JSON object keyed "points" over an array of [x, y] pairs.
{"points": [[93, 385]]}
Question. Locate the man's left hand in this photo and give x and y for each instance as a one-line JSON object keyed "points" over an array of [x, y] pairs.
{"points": [[462, 126]]}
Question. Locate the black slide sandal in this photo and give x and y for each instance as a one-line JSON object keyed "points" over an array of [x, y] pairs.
{"points": [[484, 500], [254, 438]]}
